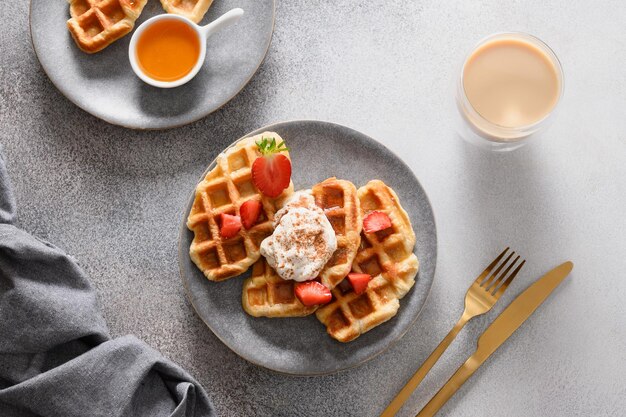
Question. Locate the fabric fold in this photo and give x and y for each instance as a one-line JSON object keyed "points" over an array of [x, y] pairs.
{"points": [[7, 201], [56, 355]]}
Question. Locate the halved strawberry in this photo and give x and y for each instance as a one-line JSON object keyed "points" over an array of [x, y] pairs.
{"points": [[376, 221], [359, 281], [312, 293], [250, 211], [271, 172], [229, 225]]}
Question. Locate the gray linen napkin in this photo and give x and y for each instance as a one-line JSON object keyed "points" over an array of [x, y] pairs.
{"points": [[56, 356]]}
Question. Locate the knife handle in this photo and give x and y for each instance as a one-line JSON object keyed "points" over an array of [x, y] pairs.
{"points": [[454, 383]]}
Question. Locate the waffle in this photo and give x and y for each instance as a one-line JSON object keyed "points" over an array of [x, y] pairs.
{"points": [[95, 24], [388, 257], [267, 294], [192, 9], [224, 189], [339, 201]]}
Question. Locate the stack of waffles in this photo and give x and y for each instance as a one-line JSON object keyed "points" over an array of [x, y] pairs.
{"points": [[267, 294], [387, 255]]}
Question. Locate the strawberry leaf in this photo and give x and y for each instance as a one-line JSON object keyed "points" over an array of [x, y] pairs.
{"points": [[268, 146]]}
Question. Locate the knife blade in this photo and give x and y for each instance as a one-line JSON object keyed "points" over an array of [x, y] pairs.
{"points": [[498, 332]]}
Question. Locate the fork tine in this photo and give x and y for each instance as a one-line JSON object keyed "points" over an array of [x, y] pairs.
{"points": [[492, 285], [486, 272], [506, 283], [493, 278]]}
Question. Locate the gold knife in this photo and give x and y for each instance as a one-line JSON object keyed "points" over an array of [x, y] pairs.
{"points": [[507, 322]]}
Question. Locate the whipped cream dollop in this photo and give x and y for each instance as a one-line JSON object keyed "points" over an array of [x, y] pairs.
{"points": [[303, 239]]}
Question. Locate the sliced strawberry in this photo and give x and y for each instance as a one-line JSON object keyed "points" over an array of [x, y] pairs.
{"points": [[312, 293], [250, 211], [271, 172], [376, 221], [229, 225], [359, 281]]}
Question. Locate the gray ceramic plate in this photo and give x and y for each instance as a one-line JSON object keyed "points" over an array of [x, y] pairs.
{"points": [[104, 84], [301, 346]]}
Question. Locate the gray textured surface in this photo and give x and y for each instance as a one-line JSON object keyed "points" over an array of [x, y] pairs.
{"points": [[105, 85], [113, 198], [317, 150]]}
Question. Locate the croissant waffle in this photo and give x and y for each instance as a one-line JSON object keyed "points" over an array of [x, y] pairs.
{"points": [[95, 24], [338, 199], [265, 294], [271, 296], [224, 189], [388, 257], [192, 9]]}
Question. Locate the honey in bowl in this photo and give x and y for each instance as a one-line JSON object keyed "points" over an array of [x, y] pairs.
{"points": [[167, 50]]}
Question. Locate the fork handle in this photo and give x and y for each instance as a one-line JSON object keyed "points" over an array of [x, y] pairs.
{"points": [[419, 375], [454, 383]]}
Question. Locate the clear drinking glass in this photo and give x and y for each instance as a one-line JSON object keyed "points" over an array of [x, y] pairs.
{"points": [[476, 129]]}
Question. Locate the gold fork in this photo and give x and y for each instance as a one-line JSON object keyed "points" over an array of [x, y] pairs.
{"points": [[479, 299]]}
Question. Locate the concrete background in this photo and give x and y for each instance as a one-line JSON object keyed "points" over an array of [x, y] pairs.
{"points": [[113, 198]]}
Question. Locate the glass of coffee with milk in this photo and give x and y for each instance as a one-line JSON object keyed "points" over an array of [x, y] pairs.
{"points": [[507, 93]]}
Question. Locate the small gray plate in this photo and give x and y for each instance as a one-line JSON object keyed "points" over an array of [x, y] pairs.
{"points": [[104, 84], [301, 346]]}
